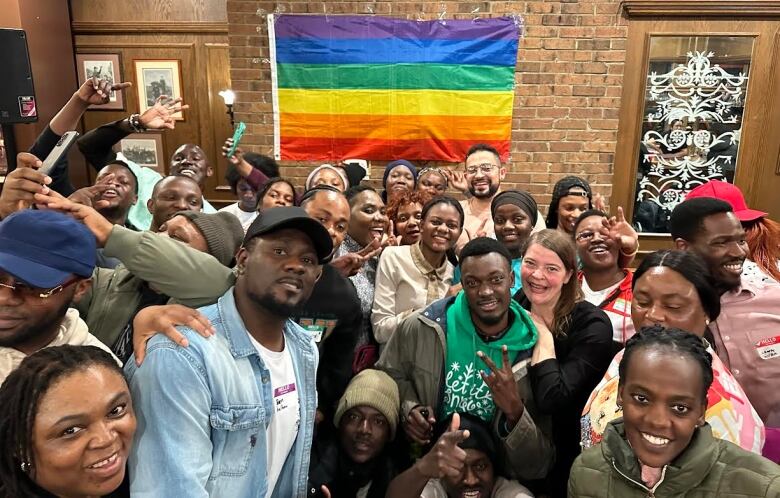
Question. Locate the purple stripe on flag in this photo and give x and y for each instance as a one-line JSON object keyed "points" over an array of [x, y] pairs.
{"points": [[282, 390], [361, 27]]}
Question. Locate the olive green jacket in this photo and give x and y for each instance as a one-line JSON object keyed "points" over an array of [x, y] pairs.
{"points": [[414, 358], [709, 467], [161, 262]]}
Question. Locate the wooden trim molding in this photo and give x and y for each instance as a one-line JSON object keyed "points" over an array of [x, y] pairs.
{"points": [[701, 8], [92, 28]]}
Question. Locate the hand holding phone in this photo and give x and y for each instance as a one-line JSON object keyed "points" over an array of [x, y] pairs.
{"points": [[65, 142], [237, 134]]}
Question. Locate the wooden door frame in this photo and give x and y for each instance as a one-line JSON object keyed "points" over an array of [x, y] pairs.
{"points": [[712, 18]]}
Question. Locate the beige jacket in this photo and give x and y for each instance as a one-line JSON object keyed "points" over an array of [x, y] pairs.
{"points": [[405, 283], [73, 331]]}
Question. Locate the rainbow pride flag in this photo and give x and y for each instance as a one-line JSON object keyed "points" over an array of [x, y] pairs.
{"points": [[381, 88]]}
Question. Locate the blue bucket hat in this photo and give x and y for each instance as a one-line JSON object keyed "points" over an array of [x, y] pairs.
{"points": [[44, 248]]}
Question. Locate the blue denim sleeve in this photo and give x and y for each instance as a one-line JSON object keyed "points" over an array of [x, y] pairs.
{"points": [[171, 455]]}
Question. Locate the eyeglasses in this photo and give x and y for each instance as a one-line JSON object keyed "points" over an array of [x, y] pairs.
{"points": [[587, 235], [484, 167], [24, 291]]}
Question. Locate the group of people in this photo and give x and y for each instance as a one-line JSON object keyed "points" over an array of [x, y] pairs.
{"points": [[341, 341]]}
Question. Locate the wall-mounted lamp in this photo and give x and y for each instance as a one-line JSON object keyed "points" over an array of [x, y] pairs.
{"points": [[229, 97]]}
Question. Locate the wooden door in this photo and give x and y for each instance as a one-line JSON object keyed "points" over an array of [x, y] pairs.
{"points": [[700, 101]]}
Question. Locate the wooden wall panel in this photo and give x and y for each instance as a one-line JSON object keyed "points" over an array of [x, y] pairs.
{"points": [[141, 29], [143, 11]]}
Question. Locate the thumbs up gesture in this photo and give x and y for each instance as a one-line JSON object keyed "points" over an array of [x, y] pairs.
{"points": [[446, 458]]}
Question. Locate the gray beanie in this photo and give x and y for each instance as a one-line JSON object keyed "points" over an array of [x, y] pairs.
{"points": [[222, 231]]}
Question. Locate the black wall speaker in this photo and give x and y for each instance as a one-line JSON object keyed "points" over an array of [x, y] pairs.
{"points": [[17, 95]]}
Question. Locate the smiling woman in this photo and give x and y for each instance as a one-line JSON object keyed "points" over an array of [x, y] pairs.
{"points": [[57, 441], [413, 276], [663, 445], [574, 346]]}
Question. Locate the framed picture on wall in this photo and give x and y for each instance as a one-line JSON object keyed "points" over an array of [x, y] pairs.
{"points": [[144, 149], [155, 78], [104, 67]]}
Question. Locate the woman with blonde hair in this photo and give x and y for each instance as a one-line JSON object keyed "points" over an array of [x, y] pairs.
{"points": [[574, 346]]}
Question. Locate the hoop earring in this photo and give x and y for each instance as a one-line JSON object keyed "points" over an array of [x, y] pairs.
{"points": [[25, 466]]}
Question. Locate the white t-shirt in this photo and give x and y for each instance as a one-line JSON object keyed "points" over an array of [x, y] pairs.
{"points": [[283, 429], [597, 297], [245, 218]]}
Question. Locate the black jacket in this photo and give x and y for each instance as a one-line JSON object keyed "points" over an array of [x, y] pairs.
{"points": [[561, 385], [335, 307]]}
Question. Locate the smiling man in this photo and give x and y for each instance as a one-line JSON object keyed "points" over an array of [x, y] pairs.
{"points": [[46, 260], [463, 470], [121, 195], [189, 160], [469, 354], [747, 332], [245, 399], [171, 195]]}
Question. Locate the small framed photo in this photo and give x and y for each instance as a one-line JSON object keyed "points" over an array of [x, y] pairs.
{"points": [[104, 67], [155, 78], [144, 149]]}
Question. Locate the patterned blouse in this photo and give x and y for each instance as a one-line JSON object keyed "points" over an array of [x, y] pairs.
{"points": [[364, 284]]}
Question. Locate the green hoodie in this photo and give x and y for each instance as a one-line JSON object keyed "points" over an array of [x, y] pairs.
{"points": [[464, 389]]}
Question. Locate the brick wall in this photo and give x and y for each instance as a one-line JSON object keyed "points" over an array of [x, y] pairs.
{"points": [[569, 77]]}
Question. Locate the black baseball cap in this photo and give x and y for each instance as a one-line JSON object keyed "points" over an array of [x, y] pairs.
{"points": [[279, 218]]}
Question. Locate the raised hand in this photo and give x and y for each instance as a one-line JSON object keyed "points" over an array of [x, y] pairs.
{"points": [[446, 458], [480, 232], [22, 184], [91, 196], [238, 154], [419, 424], [95, 91], [599, 202], [163, 319], [622, 232], [456, 179], [97, 224], [161, 114], [503, 387], [389, 238], [350, 264]]}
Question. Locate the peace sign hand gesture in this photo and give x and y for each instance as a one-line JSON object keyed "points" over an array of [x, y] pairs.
{"points": [[503, 387]]}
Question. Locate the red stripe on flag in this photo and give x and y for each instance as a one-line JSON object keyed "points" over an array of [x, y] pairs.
{"points": [[336, 149]]}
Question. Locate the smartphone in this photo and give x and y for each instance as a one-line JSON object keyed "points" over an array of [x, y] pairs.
{"points": [[240, 129], [66, 141]]}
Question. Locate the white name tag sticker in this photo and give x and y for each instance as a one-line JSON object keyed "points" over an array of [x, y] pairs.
{"points": [[769, 348], [315, 331]]}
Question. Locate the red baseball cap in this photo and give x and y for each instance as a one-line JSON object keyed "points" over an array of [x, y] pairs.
{"points": [[730, 193]]}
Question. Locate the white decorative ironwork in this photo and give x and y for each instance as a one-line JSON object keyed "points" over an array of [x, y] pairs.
{"points": [[688, 100]]}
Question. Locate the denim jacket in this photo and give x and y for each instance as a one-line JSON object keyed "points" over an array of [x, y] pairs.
{"points": [[203, 411]]}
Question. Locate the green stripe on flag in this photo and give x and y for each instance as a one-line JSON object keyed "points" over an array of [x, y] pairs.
{"points": [[396, 76]]}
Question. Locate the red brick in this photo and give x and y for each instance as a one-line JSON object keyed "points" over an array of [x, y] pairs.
{"points": [[596, 91], [568, 81], [559, 20]]}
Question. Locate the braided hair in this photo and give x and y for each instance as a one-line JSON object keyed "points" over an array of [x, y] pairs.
{"points": [[20, 395], [669, 340]]}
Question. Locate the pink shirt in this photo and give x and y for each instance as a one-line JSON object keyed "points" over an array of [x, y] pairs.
{"points": [[747, 337]]}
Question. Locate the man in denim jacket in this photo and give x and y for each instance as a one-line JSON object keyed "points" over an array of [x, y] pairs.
{"points": [[233, 415]]}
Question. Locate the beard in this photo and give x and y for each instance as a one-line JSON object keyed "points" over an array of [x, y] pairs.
{"points": [[275, 306], [491, 191], [35, 331]]}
